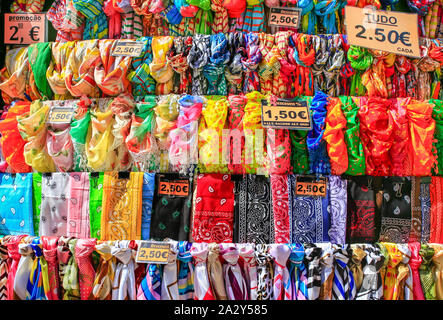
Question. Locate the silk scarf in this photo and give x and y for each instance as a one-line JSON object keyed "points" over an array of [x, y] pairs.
{"points": [[78, 207]]}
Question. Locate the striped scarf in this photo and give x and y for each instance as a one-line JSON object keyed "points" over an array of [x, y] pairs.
{"points": [[150, 287], [298, 272], [4, 269], [312, 261], [140, 77], [254, 20], [96, 26], [198, 57], [36, 285], [343, 287], [185, 271], [177, 58]]}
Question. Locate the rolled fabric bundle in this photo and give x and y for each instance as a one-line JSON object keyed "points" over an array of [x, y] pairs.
{"points": [[254, 16], [79, 74], [265, 67], [160, 68], [376, 128], [304, 55], [236, 142], [210, 133], [183, 151], [322, 54], [250, 63], [122, 107], [421, 132], [360, 60], [56, 72], [178, 59], [198, 57], [96, 25], [335, 63], [140, 77], [39, 55], [214, 70], [12, 143], [79, 132], [14, 76], [34, 131], [319, 162], [234, 68], [100, 156], [140, 141], [335, 126], [255, 159], [110, 72], [399, 152]]}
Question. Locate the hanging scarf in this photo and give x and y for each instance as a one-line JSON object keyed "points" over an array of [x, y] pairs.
{"points": [[421, 8], [376, 127], [185, 271], [33, 130], [281, 284], [299, 151], [265, 272], [57, 69], [16, 201], [247, 257], [377, 78], [288, 65], [360, 60], [235, 140], [178, 59], [14, 77], [124, 278], [39, 55], [79, 74], [36, 284], [304, 55], [12, 144], [425, 206], [214, 209], [318, 158], [86, 273], [414, 264], [4, 269], [216, 274], [254, 16], [356, 265], [327, 13], [403, 80], [416, 214], [436, 212], [234, 68], [426, 272], [49, 245], [266, 65], [122, 196], [55, 203], [251, 62], [343, 287], [335, 63], [278, 147], [327, 270], [26, 6], [437, 115], [13, 253], [214, 70], [147, 198], [78, 132], [309, 216], [160, 69], [96, 26], [220, 23], [356, 155], [169, 290], [313, 274], [280, 209], [334, 135], [24, 270], [197, 58], [236, 286], [372, 284], [211, 126], [362, 211], [140, 76], [102, 286], [199, 252], [401, 164], [36, 199], [391, 289], [437, 260], [396, 210], [95, 203], [150, 286], [297, 272], [171, 214], [183, 149], [140, 141], [337, 208]]}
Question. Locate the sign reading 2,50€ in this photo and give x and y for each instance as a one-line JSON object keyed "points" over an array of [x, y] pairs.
{"points": [[389, 31]]}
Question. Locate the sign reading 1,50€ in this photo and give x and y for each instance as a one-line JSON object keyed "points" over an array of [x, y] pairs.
{"points": [[286, 114], [389, 31]]}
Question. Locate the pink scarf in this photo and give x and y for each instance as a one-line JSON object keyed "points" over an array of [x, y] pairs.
{"points": [[78, 207]]}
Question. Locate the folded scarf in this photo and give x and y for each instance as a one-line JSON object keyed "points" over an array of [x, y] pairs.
{"points": [[79, 131], [214, 70], [39, 55], [140, 76], [160, 69], [56, 72]]}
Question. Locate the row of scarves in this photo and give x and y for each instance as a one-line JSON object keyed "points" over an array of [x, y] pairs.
{"points": [[286, 64], [114, 19], [219, 134], [51, 268], [221, 208]]}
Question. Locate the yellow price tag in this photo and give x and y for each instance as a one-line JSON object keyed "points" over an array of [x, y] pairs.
{"points": [[60, 115], [153, 252], [127, 48]]}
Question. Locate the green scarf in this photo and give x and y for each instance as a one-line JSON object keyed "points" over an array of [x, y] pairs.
{"points": [[426, 272], [437, 114], [40, 55], [299, 149], [70, 280], [36, 199], [95, 203]]}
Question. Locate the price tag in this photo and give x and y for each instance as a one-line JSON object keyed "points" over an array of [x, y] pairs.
{"points": [[178, 188], [306, 186], [127, 48], [285, 17], [153, 252], [389, 31], [60, 115], [286, 114], [25, 28]]}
